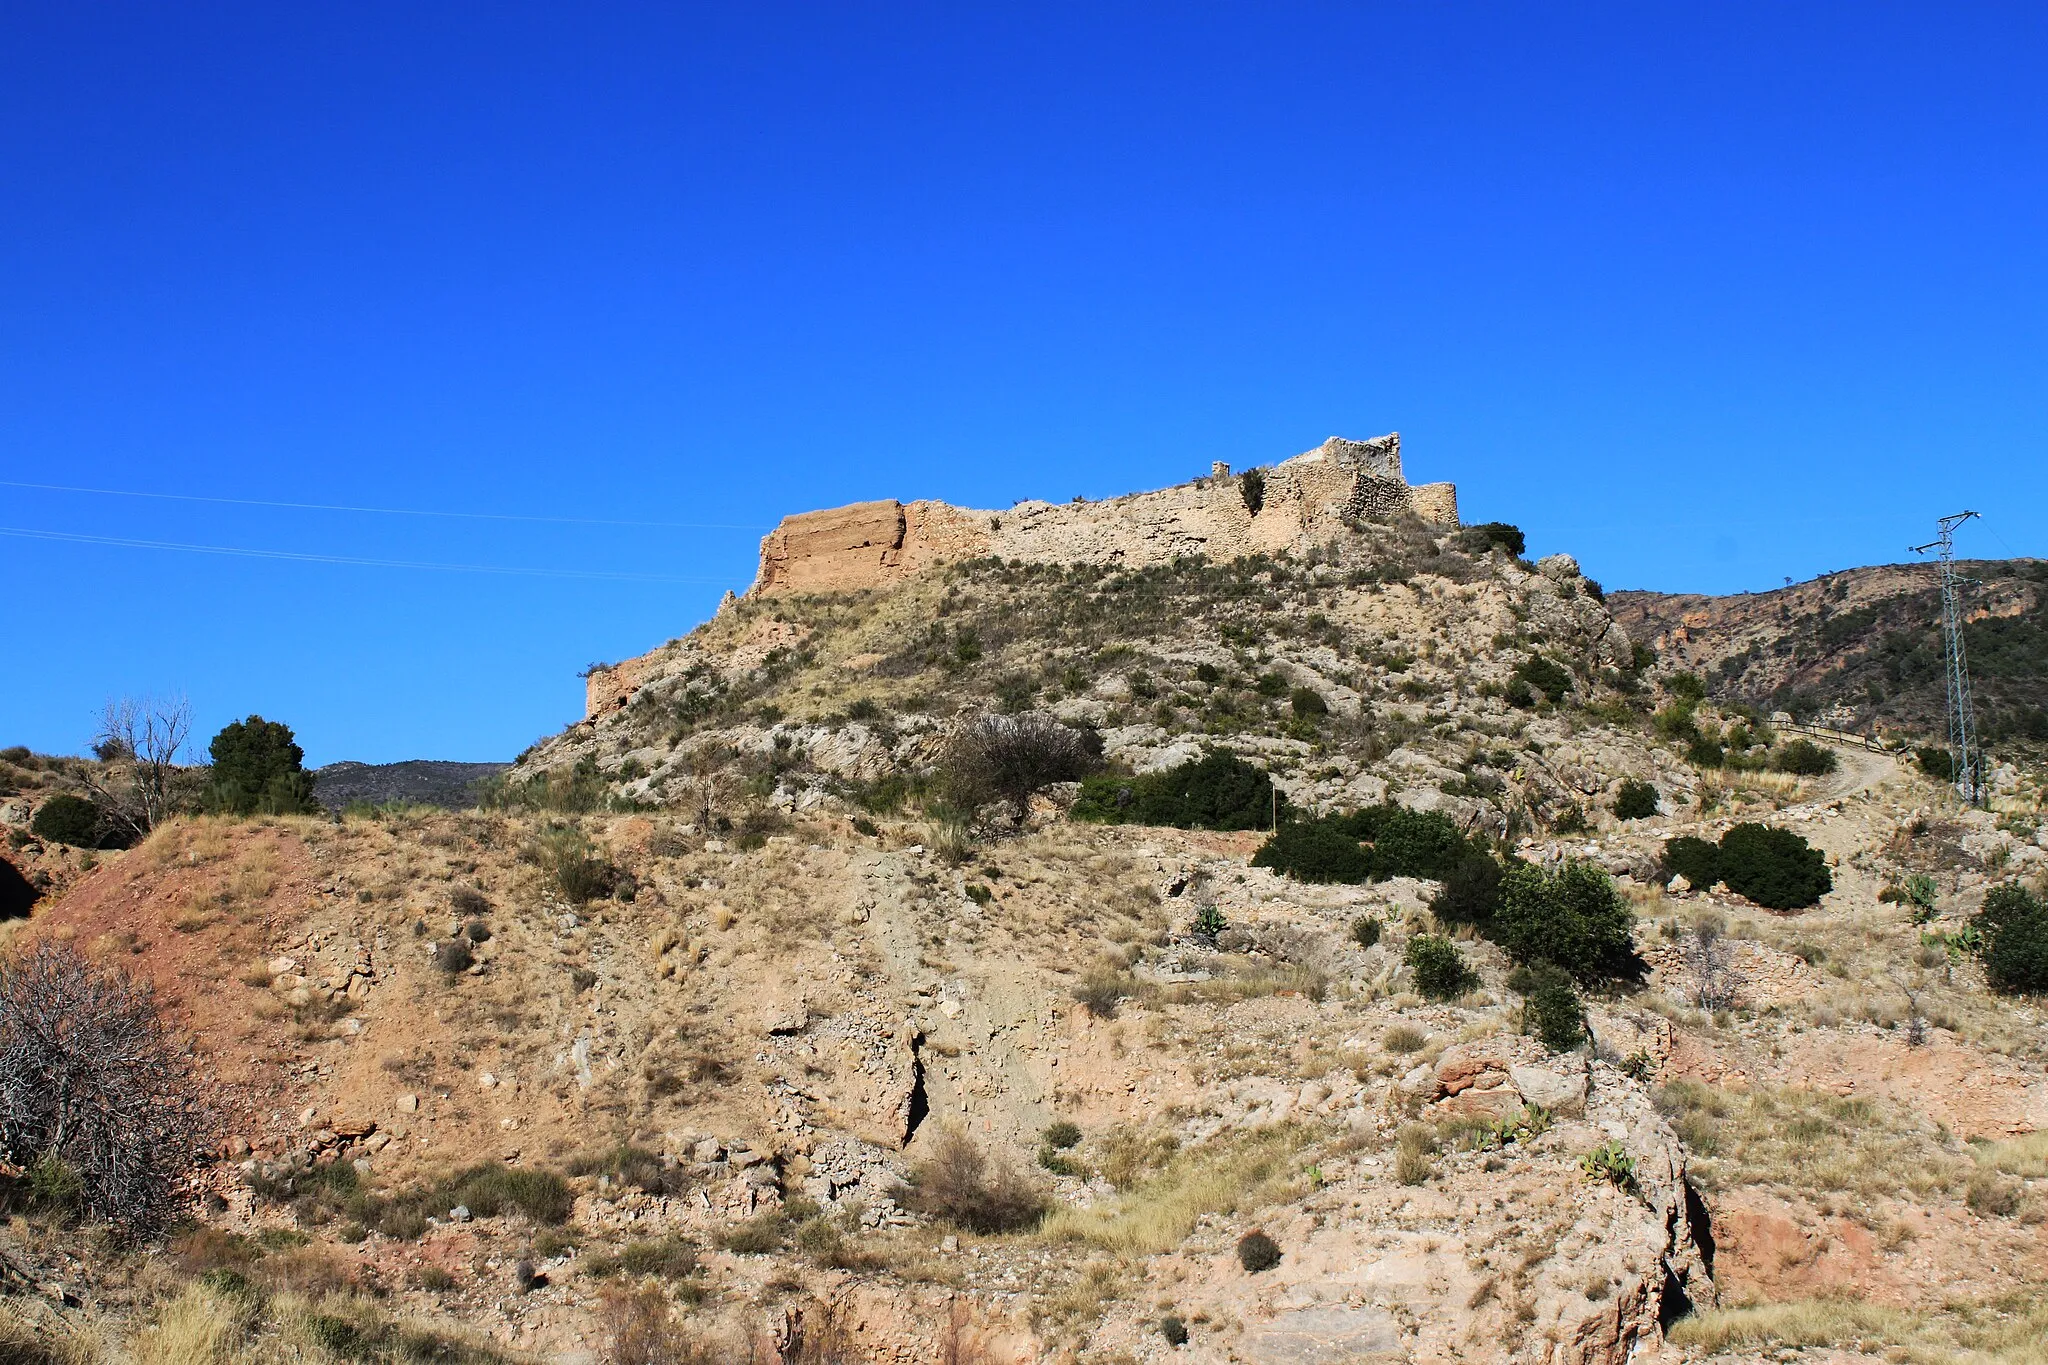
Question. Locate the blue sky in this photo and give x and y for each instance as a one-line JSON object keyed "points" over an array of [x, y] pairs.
{"points": [[1708, 296]]}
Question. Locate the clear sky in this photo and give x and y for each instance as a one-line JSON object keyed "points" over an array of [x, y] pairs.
{"points": [[1707, 295]]}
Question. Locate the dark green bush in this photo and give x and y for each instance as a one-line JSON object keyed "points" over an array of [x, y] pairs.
{"points": [[1546, 676], [1315, 851], [1705, 753], [1062, 1135], [259, 767], [1636, 801], [1308, 703], [1438, 967], [1686, 687], [1805, 758], [1251, 486], [2014, 923], [1773, 867], [1696, 860], [68, 819], [1573, 917], [1256, 1252], [1470, 892], [1407, 843], [1938, 764], [1174, 1330], [1365, 931], [454, 956], [1551, 1009], [1216, 791], [1520, 695], [1493, 535]]}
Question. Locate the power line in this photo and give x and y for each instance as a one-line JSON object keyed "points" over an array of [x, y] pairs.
{"points": [[380, 511], [1966, 762], [25, 533]]}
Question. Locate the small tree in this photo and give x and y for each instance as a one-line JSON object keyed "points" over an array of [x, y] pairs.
{"points": [[1470, 893], [1551, 1009], [139, 741], [1637, 800], [259, 767], [2014, 925], [1573, 917], [92, 1083], [1804, 758], [959, 1184], [1010, 758], [1251, 486], [1439, 968]]}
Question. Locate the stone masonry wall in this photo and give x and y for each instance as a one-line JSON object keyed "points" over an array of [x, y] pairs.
{"points": [[1307, 500]]}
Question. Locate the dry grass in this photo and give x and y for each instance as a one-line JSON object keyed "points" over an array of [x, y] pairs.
{"points": [[2013, 1332], [1224, 1176], [1808, 1141], [2026, 1157]]}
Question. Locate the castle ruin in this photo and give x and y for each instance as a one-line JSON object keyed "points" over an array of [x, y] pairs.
{"points": [[1301, 502]]}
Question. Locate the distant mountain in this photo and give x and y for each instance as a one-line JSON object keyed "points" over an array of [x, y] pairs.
{"points": [[1865, 645], [424, 780]]}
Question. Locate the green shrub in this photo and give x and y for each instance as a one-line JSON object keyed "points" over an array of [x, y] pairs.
{"points": [[1062, 1136], [1546, 676], [1773, 867], [1307, 703], [1551, 1008], [1216, 791], [1938, 764], [1493, 535], [1637, 800], [1573, 917], [1696, 860], [454, 956], [1705, 753], [1805, 758], [1519, 694], [1439, 968], [1174, 1330], [1408, 843], [259, 767], [574, 864], [68, 819], [1315, 851], [1256, 1252], [1251, 486], [2014, 926], [1470, 893], [1365, 931], [1687, 687], [1208, 923]]}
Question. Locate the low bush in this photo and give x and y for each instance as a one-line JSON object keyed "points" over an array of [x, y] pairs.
{"points": [[1546, 676], [1637, 800], [68, 819], [1804, 758], [1307, 703], [1696, 860], [1100, 993], [1938, 764], [575, 865], [1062, 1136], [1007, 759], [1439, 968], [1365, 931], [1573, 917], [1256, 1251], [1470, 893], [959, 1185], [1216, 791], [1174, 1330], [1773, 867], [2014, 926], [1315, 851], [1551, 1008], [1493, 535], [454, 956]]}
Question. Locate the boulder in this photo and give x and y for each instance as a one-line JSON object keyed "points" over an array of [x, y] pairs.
{"points": [[1544, 1088]]}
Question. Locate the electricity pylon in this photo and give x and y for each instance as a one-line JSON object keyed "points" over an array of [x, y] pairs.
{"points": [[1966, 763]]}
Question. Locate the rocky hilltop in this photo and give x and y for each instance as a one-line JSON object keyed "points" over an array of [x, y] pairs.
{"points": [[747, 1022]]}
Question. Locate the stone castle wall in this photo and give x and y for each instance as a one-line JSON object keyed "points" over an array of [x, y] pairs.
{"points": [[1308, 499]]}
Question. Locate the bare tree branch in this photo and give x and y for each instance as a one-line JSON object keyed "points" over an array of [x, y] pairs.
{"points": [[139, 740]]}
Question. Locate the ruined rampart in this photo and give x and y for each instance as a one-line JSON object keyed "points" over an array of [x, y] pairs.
{"points": [[1304, 501]]}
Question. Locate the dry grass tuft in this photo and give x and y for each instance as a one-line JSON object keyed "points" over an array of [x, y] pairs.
{"points": [[1223, 1176], [2005, 1333]]}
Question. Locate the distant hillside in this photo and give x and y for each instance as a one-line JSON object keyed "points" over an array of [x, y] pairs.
{"points": [[1866, 641], [427, 781]]}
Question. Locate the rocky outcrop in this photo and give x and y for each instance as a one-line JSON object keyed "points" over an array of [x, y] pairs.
{"points": [[1303, 501]]}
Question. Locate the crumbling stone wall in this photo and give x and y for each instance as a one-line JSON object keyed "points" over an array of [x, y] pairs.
{"points": [[1308, 500]]}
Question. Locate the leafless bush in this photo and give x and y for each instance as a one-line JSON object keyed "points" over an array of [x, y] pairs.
{"points": [[959, 1184], [1712, 967], [1008, 758], [92, 1084], [139, 740]]}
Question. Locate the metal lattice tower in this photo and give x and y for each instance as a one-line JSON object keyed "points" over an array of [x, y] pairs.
{"points": [[1966, 762]]}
